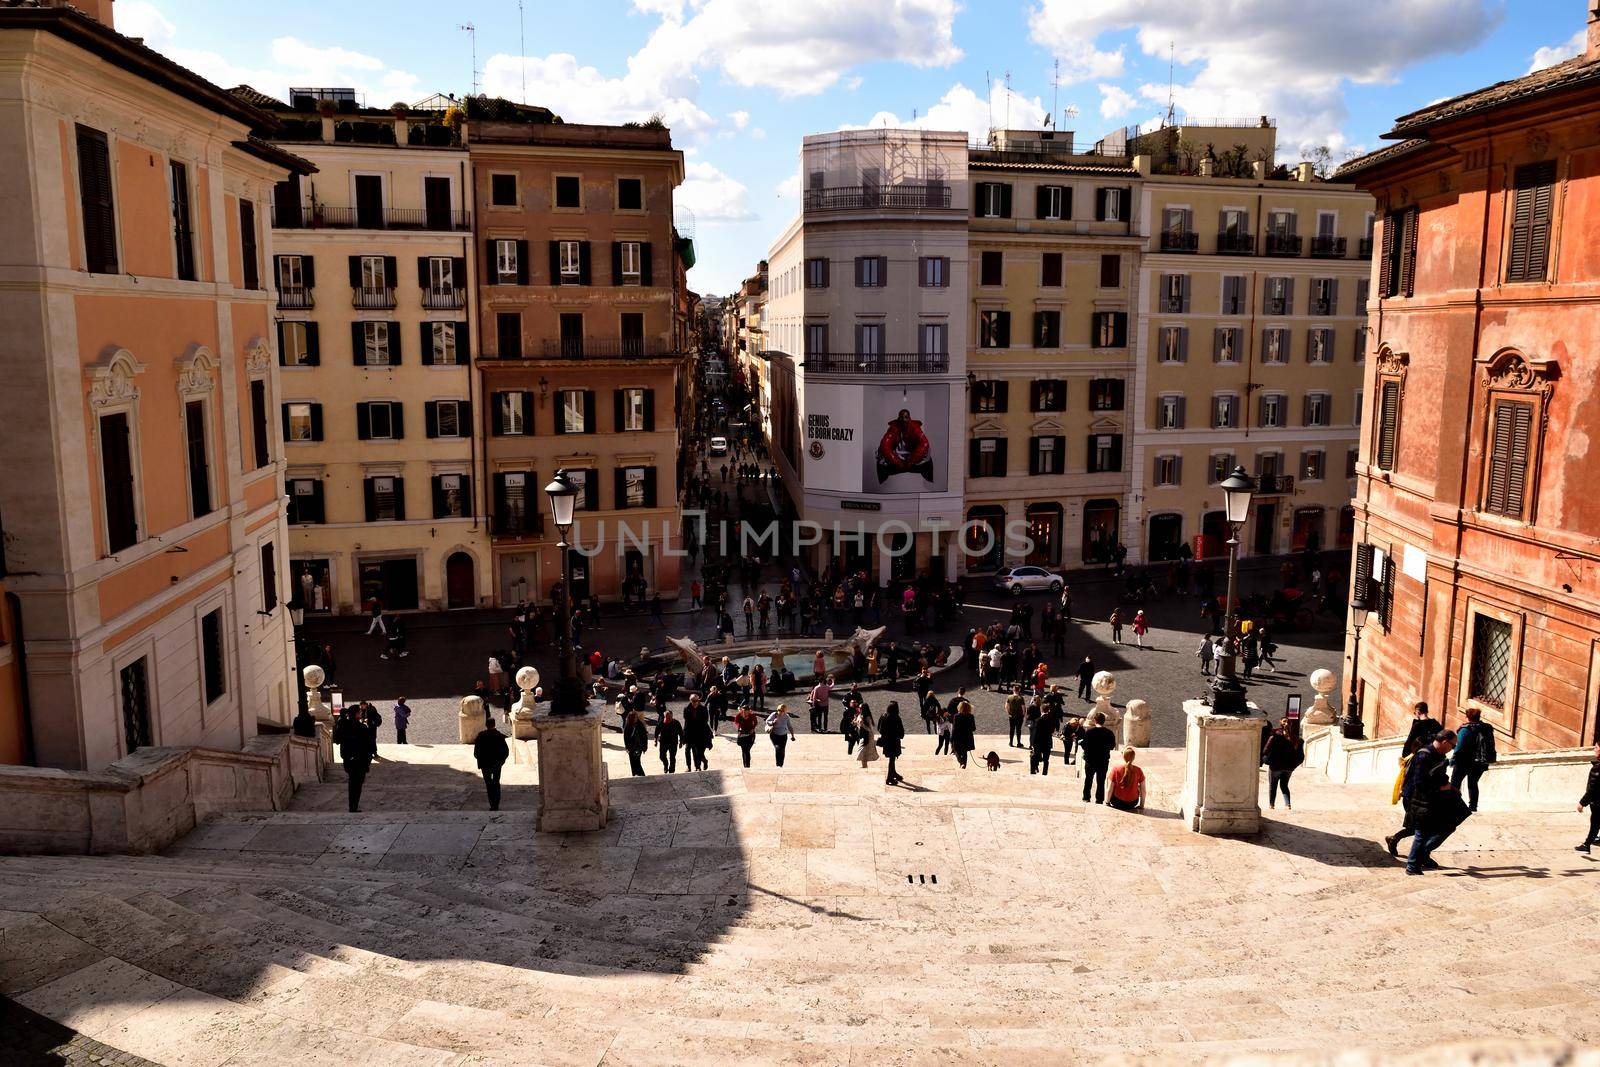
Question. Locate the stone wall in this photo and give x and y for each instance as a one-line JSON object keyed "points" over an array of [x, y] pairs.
{"points": [[1541, 778], [148, 800]]}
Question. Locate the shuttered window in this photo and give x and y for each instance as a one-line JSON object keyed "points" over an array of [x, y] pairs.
{"points": [[1398, 268], [211, 658], [194, 425], [1388, 423], [182, 230], [1510, 451], [99, 212], [249, 259], [1529, 256], [116, 470]]}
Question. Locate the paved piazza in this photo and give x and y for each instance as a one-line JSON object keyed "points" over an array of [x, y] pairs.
{"points": [[793, 917]]}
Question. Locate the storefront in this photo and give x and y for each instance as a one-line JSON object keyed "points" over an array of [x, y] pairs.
{"points": [[393, 582], [1044, 532], [1100, 523], [313, 579], [1166, 537]]}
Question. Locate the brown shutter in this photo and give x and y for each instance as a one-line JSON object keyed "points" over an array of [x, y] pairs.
{"points": [[1408, 252], [1519, 459], [99, 211], [1361, 586], [1388, 423]]}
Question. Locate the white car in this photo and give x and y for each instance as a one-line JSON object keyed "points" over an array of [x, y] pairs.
{"points": [[719, 446], [1019, 580]]}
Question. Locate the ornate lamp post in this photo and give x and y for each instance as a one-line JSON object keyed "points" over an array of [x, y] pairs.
{"points": [[1227, 692], [568, 697], [1353, 728]]}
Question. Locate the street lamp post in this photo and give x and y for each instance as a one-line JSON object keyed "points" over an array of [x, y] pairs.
{"points": [[1227, 692], [1354, 730], [568, 697]]}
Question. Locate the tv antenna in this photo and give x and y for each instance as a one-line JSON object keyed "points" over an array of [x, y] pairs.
{"points": [[472, 31], [988, 92], [1055, 91], [522, 53], [1171, 107], [1008, 99]]}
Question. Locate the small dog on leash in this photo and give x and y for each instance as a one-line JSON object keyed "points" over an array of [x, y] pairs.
{"points": [[993, 759]]}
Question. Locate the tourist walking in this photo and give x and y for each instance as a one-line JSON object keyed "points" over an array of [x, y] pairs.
{"points": [[963, 733], [942, 730], [1424, 727], [820, 694], [1127, 784], [636, 739], [697, 733], [866, 730], [744, 725], [356, 734], [891, 734], [402, 717], [489, 751], [375, 609], [1436, 808], [1096, 745], [1014, 713], [1042, 739], [1116, 625], [1474, 752], [1283, 752], [669, 735], [779, 729], [1205, 653], [1086, 679], [1590, 800], [1141, 626]]}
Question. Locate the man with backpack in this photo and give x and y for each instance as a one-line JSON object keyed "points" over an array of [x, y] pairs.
{"points": [[1474, 752]]}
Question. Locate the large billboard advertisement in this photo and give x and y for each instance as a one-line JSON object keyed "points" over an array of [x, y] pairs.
{"points": [[905, 430], [832, 437]]}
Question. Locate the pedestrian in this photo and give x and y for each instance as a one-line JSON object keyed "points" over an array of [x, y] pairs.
{"points": [[1205, 653], [1086, 679], [819, 665], [402, 716], [1127, 784], [963, 733], [891, 735], [994, 659], [780, 729], [636, 739], [489, 751], [1141, 625], [669, 735], [820, 694], [1066, 604], [695, 595], [1116, 625], [1591, 800], [758, 687], [655, 609], [697, 732], [866, 729], [1436, 808], [1283, 752], [942, 732], [375, 609], [744, 725], [1474, 752], [872, 666], [497, 674], [1096, 744], [749, 617], [1071, 730], [356, 734], [1014, 713], [1423, 729], [1041, 739]]}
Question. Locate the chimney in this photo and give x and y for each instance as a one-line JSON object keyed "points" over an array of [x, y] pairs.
{"points": [[1305, 172], [99, 10], [1593, 52]]}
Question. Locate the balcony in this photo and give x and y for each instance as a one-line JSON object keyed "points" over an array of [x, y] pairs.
{"points": [[372, 298], [1233, 243], [1329, 247], [1174, 241], [1364, 248], [298, 297], [603, 348], [518, 524], [1283, 244], [319, 216], [874, 197], [877, 362], [1274, 484], [444, 299]]}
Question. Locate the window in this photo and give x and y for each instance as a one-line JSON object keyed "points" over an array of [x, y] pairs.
{"points": [[386, 501], [1275, 345], [370, 275], [994, 329], [1313, 464], [1174, 294], [376, 344], [633, 409], [1319, 345], [1110, 329], [1278, 296], [571, 261], [447, 418], [508, 334], [379, 420], [1271, 415], [269, 577], [989, 269], [1388, 428], [1106, 394], [1169, 412], [249, 260], [1222, 464], [503, 190], [817, 273], [569, 192], [1105, 453], [260, 442], [134, 689], [1050, 270], [1110, 271], [816, 338], [1357, 401], [1363, 287], [636, 487], [1233, 230], [451, 498], [1047, 329], [211, 658], [1174, 344], [194, 425], [116, 472], [1362, 335], [95, 199], [1233, 294], [1052, 202], [574, 411], [1049, 394], [507, 262], [1225, 411], [871, 271], [302, 422], [1489, 680], [1168, 470], [182, 231], [1318, 410], [305, 501], [1177, 223], [630, 194], [1324, 296], [1109, 204], [1280, 224], [512, 514], [1509, 458], [989, 396], [934, 272], [933, 339], [1351, 458], [441, 339], [588, 486], [1226, 344], [292, 274], [1529, 256], [993, 200], [987, 458], [869, 339], [1398, 268], [1047, 455]]}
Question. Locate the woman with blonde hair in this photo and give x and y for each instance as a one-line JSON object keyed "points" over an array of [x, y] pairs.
{"points": [[780, 729], [1127, 784]]}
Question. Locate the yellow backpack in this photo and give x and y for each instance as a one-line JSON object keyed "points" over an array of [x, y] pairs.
{"points": [[1400, 779]]}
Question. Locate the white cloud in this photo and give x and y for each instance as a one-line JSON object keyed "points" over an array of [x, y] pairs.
{"points": [[1550, 55], [668, 9], [740, 119], [789, 188], [712, 195], [1115, 102], [140, 18], [1250, 57], [580, 93], [963, 109]]}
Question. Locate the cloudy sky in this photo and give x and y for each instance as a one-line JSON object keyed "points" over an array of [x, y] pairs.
{"points": [[741, 81]]}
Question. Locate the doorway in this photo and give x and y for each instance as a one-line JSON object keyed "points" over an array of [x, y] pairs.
{"points": [[392, 581], [1213, 535], [983, 540], [436, 203], [313, 581], [369, 203], [1100, 519], [1266, 529], [902, 556], [1166, 537], [1347, 526], [1307, 530], [460, 584], [1044, 531]]}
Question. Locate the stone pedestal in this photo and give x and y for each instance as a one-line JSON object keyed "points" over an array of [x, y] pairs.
{"points": [[469, 720], [1136, 724], [1221, 778], [573, 794], [522, 715], [1321, 713]]}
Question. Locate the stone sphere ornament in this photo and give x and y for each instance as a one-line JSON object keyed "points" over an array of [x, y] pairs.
{"points": [[1104, 683], [314, 676], [528, 678]]}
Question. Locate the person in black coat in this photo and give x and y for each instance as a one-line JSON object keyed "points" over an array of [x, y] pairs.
{"points": [[891, 732], [963, 733], [697, 734], [356, 734], [669, 735], [1423, 729], [1040, 740], [636, 739], [490, 751], [1096, 744], [1086, 679], [1591, 800], [1436, 808]]}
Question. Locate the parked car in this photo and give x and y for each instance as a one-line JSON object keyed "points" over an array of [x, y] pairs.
{"points": [[1019, 580], [719, 446]]}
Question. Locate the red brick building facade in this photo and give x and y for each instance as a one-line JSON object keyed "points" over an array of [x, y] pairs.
{"points": [[1477, 511]]}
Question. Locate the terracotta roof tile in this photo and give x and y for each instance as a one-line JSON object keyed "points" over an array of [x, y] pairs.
{"points": [[1577, 71]]}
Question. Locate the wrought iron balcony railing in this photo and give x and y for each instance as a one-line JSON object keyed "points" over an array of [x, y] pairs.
{"points": [[878, 362], [872, 197], [1274, 484], [1175, 241], [443, 299], [372, 298], [298, 297], [319, 216], [1236, 244], [1329, 247], [1283, 244]]}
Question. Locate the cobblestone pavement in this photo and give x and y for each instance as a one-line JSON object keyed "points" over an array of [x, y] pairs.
{"points": [[28, 1039]]}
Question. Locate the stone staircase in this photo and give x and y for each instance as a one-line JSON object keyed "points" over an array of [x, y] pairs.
{"points": [[810, 916]]}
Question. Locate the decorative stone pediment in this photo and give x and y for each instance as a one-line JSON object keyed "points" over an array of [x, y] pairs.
{"points": [[987, 428], [1510, 369], [112, 380], [1392, 362], [195, 371], [1047, 427], [1105, 424], [257, 356]]}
